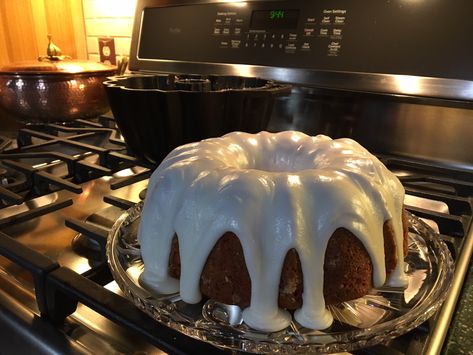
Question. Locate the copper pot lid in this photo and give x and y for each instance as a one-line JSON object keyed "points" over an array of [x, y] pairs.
{"points": [[56, 64], [65, 66]]}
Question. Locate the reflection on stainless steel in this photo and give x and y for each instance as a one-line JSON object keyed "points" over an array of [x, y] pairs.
{"points": [[85, 331], [29, 205], [19, 322], [113, 286], [428, 204], [431, 224], [108, 336], [369, 82], [423, 131], [384, 125]]}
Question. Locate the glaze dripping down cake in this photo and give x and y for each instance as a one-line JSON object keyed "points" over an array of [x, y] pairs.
{"points": [[275, 223]]}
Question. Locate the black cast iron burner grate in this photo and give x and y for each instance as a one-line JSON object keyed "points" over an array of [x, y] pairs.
{"points": [[50, 157], [59, 289]]}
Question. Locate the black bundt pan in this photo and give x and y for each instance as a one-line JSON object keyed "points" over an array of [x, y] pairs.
{"points": [[157, 113]]}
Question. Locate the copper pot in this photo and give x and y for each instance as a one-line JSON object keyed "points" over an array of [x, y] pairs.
{"points": [[54, 88]]}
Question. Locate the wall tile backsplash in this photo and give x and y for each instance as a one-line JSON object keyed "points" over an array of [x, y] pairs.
{"points": [[108, 18]]}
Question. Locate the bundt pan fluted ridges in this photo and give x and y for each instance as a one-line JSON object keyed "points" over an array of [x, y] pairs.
{"points": [[157, 113]]}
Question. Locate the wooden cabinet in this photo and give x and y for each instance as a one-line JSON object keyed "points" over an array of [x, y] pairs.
{"points": [[25, 24]]}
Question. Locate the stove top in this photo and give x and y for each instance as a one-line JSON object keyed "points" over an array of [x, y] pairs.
{"points": [[56, 291], [55, 212]]}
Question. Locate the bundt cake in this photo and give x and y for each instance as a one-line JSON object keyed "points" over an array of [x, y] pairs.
{"points": [[273, 222]]}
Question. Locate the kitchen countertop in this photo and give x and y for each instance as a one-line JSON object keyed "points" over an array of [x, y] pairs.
{"points": [[460, 337]]}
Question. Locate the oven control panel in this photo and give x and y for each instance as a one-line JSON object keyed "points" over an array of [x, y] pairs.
{"points": [[262, 32], [280, 30], [424, 38]]}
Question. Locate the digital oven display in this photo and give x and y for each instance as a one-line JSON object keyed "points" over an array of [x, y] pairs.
{"points": [[274, 19]]}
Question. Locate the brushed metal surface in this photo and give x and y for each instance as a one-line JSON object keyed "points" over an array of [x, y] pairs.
{"points": [[421, 86], [85, 331], [441, 134], [24, 331], [425, 130], [348, 81]]}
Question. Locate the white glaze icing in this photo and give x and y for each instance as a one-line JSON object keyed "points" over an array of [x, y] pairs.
{"points": [[275, 192]]}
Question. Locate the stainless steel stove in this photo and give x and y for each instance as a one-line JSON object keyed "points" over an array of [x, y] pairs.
{"points": [[62, 186]]}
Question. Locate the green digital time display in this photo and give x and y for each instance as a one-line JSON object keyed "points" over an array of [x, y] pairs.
{"points": [[276, 14], [274, 19]]}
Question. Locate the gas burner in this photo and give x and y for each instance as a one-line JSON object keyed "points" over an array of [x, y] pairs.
{"points": [[4, 143], [87, 247], [12, 180], [92, 236], [13, 186], [49, 157]]}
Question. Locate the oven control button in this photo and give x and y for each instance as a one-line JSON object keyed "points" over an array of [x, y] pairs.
{"points": [[310, 20], [290, 48], [337, 31], [237, 30], [333, 48], [236, 43], [325, 20], [323, 31], [217, 31], [334, 45], [305, 46], [340, 20], [309, 32], [226, 31]]}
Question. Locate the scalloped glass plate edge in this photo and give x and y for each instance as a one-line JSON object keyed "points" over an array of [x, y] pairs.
{"points": [[425, 248]]}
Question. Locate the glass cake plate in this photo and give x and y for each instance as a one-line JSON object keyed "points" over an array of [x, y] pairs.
{"points": [[383, 314]]}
